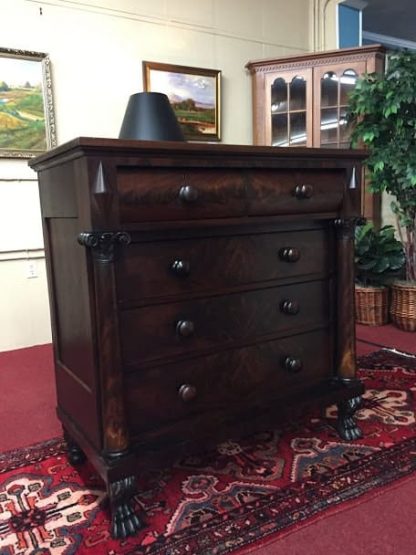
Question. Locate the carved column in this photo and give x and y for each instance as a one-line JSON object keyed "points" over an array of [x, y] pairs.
{"points": [[345, 351], [104, 248]]}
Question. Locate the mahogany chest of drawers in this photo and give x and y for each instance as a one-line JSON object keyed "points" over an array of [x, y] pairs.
{"points": [[197, 292]]}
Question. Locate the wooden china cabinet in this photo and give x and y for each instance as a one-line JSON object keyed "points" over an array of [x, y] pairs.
{"points": [[302, 101]]}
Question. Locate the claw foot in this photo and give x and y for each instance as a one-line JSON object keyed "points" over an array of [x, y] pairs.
{"points": [[124, 520], [346, 426]]}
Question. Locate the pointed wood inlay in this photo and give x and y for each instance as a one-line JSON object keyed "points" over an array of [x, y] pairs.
{"points": [[102, 194], [100, 185], [353, 179]]}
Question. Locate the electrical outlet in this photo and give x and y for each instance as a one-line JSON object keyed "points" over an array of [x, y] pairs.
{"points": [[31, 269]]}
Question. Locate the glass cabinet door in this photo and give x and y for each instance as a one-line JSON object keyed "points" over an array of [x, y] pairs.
{"points": [[334, 87], [289, 108]]}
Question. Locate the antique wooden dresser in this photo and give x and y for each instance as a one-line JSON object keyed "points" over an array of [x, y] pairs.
{"points": [[197, 292]]}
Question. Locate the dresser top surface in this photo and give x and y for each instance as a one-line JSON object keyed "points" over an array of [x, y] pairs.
{"points": [[207, 153]]}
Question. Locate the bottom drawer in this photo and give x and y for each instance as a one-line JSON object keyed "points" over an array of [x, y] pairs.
{"points": [[228, 382]]}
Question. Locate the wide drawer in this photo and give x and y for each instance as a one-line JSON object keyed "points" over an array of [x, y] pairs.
{"points": [[226, 382], [295, 191], [159, 331], [179, 267], [170, 194], [179, 194]]}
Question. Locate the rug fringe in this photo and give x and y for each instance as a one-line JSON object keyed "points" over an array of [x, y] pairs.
{"points": [[397, 352]]}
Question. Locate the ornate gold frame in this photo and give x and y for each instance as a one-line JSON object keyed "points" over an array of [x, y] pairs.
{"points": [[49, 113], [189, 125]]}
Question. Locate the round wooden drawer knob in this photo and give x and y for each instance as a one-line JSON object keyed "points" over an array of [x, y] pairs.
{"points": [[185, 328], [187, 392], [187, 193], [290, 307], [181, 268], [289, 254], [293, 364], [303, 191]]}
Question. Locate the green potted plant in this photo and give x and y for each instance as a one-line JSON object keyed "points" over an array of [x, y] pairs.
{"points": [[378, 257], [382, 110]]}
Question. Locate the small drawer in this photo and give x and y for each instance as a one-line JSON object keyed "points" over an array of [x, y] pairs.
{"points": [[227, 381], [178, 267], [295, 192], [173, 194], [156, 332]]}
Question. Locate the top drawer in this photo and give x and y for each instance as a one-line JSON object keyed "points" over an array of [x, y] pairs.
{"points": [[295, 191], [159, 194], [170, 194]]}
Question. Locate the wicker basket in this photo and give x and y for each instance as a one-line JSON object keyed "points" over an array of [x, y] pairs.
{"points": [[403, 306], [371, 305]]}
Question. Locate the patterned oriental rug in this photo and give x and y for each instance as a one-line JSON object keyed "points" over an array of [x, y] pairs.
{"points": [[242, 495]]}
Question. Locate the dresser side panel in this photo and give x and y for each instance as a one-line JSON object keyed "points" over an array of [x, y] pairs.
{"points": [[70, 286]]}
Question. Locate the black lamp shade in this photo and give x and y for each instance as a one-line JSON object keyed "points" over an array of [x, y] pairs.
{"points": [[150, 117]]}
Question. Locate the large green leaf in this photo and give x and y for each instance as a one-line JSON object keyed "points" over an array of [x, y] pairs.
{"points": [[377, 253]]}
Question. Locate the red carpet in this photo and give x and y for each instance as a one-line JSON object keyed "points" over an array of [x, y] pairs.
{"points": [[374, 337], [244, 494], [377, 524], [27, 390]]}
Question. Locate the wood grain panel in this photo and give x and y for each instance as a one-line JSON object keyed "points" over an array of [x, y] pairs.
{"points": [[79, 402], [149, 333], [145, 270], [273, 191], [73, 335], [243, 378], [154, 194]]}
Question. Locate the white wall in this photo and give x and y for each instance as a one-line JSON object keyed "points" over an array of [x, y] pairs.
{"points": [[96, 49]]}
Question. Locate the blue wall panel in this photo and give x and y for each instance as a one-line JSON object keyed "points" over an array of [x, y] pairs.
{"points": [[349, 26]]}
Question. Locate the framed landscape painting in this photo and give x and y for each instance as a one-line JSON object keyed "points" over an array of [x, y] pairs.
{"points": [[27, 121], [194, 94]]}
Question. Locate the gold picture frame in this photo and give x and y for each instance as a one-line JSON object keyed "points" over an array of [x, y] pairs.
{"points": [[194, 94], [27, 117]]}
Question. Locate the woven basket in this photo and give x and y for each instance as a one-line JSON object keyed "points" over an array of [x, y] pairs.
{"points": [[371, 305], [403, 306]]}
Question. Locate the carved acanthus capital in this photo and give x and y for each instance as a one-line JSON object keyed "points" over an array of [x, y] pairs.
{"points": [[103, 244]]}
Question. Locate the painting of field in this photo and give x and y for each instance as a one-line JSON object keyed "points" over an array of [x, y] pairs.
{"points": [[22, 113], [193, 97]]}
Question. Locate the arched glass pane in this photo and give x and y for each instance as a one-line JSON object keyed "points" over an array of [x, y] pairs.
{"points": [[345, 128], [329, 126], [279, 130], [279, 96], [297, 94], [347, 83], [329, 89], [297, 129]]}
